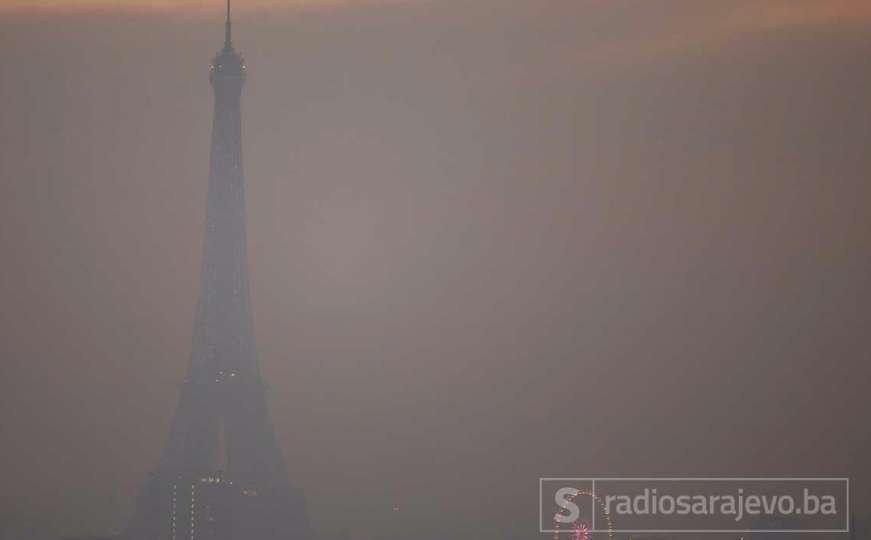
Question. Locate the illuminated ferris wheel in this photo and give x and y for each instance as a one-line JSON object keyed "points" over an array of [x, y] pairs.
{"points": [[581, 528]]}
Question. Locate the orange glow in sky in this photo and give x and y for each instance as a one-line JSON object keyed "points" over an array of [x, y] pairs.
{"points": [[728, 19], [163, 5], [770, 12]]}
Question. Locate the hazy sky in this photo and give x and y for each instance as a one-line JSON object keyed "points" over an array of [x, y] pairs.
{"points": [[489, 241]]}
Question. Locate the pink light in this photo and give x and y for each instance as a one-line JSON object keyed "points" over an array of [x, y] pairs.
{"points": [[582, 531]]}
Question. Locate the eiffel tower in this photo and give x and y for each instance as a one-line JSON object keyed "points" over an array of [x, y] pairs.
{"points": [[221, 475]]}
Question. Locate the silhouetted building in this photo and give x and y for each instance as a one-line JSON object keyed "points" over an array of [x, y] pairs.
{"points": [[221, 475]]}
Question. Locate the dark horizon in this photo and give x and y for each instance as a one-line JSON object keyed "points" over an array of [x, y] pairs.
{"points": [[488, 242]]}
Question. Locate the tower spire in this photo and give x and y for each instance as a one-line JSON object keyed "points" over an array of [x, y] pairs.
{"points": [[228, 42]]}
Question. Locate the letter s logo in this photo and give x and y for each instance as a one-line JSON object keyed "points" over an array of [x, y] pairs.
{"points": [[564, 498]]}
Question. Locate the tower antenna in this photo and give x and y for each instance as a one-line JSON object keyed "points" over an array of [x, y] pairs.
{"points": [[228, 42]]}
